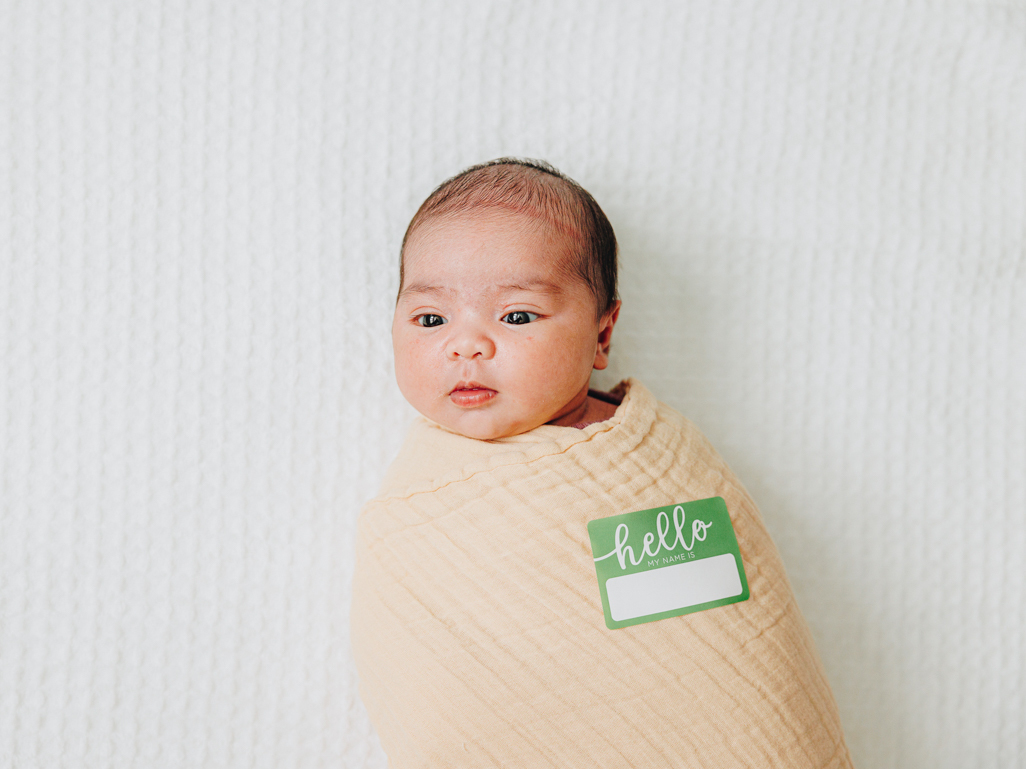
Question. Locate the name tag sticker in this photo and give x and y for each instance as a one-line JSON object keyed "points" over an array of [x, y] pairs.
{"points": [[667, 561]]}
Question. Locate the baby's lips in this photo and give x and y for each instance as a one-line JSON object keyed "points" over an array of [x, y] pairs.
{"points": [[472, 395], [461, 385]]}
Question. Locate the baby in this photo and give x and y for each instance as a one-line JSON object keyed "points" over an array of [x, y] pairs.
{"points": [[484, 625], [507, 301]]}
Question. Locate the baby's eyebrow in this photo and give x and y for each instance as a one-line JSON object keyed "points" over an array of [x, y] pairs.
{"points": [[537, 286], [422, 288]]}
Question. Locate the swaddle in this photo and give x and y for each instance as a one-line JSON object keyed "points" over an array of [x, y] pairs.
{"points": [[478, 629]]}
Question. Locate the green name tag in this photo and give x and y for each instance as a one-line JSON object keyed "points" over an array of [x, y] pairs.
{"points": [[667, 561]]}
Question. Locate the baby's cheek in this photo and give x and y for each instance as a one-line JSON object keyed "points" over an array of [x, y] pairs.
{"points": [[575, 348], [413, 352], [409, 362]]}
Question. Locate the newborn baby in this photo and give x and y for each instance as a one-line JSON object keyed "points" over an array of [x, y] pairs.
{"points": [[507, 302], [480, 632]]}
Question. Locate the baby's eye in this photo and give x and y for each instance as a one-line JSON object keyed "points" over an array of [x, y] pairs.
{"points": [[430, 321], [519, 317]]}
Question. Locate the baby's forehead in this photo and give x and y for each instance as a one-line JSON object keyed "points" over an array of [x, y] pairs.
{"points": [[505, 247], [515, 225]]}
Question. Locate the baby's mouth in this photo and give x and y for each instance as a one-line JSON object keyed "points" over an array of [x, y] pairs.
{"points": [[468, 395]]}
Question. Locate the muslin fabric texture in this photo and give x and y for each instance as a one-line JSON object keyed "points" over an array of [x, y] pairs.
{"points": [[478, 630]]}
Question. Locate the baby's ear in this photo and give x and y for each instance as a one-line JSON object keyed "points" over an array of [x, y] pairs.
{"points": [[605, 335]]}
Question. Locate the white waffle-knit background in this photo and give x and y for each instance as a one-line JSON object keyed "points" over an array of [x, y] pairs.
{"points": [[822, 215]]}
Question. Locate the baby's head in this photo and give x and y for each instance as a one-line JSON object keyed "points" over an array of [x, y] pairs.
{"points": [[507, 300]]}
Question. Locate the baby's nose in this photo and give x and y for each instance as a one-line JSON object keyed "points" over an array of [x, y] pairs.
{"points": [[469, 344]]}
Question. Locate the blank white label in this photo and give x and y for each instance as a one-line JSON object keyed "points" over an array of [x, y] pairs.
{"points": [[673, 587]]}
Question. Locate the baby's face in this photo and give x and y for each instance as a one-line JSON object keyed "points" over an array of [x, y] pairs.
{"points": [[492, 335]]}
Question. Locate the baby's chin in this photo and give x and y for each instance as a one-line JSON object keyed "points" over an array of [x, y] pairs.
{"points": [[485, 433], [484, 427]]}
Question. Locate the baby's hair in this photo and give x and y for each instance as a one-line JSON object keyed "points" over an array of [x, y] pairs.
{"points": [[535, 188]]}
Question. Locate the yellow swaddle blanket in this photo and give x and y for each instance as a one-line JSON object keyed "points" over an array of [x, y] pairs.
{"points": [[478, 629]]}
